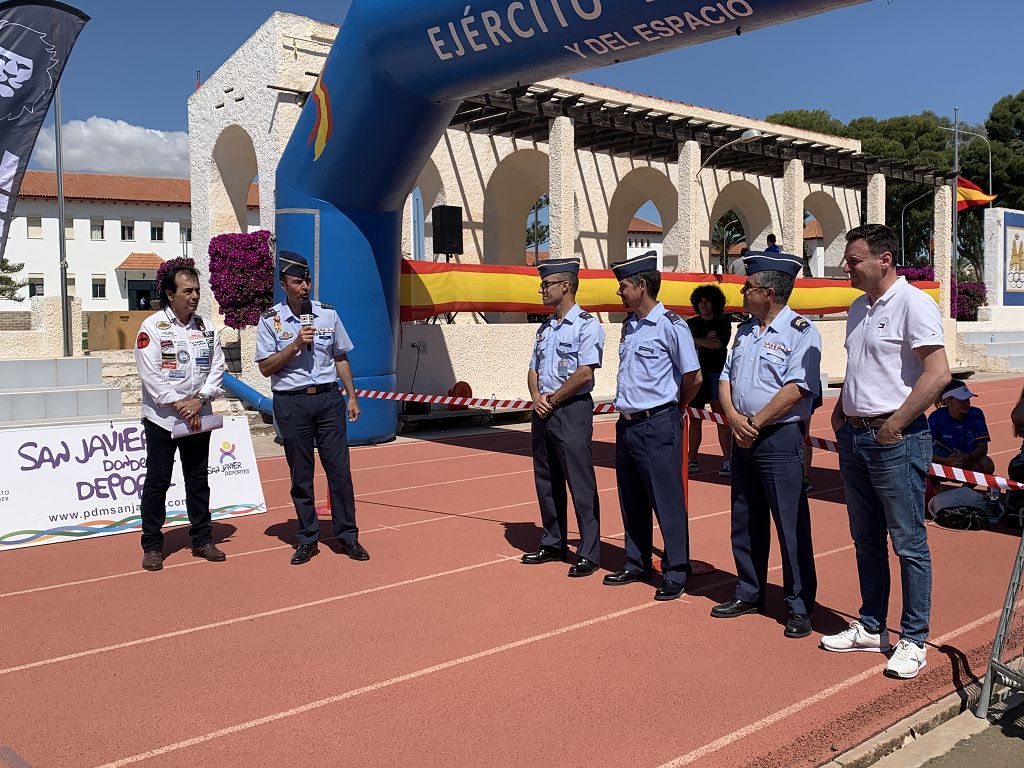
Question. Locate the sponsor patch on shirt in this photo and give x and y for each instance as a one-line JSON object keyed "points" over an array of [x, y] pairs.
{"points": [[175, 374], [184, 356], [142, 341], [163, 325], [169, 365], [778, 347]]}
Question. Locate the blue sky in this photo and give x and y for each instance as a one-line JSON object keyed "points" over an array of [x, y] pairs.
{"points": [[135, 63]]}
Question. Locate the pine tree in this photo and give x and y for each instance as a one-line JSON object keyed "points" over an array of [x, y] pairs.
{"points": [[9, 287]]}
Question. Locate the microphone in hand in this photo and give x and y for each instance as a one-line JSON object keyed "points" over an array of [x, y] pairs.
{"points": [[306, 317]]}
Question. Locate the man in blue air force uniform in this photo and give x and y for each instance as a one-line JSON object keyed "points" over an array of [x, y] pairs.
{"points": [[769, 384], [304, 356], [658, 374], [569, 346]]}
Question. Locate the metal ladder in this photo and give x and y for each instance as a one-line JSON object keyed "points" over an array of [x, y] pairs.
{"points": [[999, 671]]}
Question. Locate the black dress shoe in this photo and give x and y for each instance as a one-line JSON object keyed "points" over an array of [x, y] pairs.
{"points": [[669, 590], [304, 553], [799, 625], [734, 608], [544, 555], [625, 576], [583, 567], [354, 550]]}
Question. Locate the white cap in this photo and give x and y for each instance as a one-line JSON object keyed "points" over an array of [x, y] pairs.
{"points": [[960, 393]]}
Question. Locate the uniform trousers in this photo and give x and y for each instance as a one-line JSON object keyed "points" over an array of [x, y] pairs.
{"points": [[649, 471], [767, 484], [562, 454], [321, 417], [195, 455]]}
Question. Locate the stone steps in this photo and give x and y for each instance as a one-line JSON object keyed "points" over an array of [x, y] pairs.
{"points": [[55, 389], [1004, 348]]}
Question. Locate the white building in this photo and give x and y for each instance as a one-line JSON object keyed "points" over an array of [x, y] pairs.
{"points": [[119, 230]]}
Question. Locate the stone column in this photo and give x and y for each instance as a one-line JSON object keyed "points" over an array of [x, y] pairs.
{"points": [[682, 242], [793, 193], [876, 199], [562, 188], [943, 238]]}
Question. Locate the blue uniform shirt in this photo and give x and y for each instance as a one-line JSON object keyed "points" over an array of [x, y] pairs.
{"points": [[562, 347], [759, 364], [951, 435], [654, 354], [278, 328]]}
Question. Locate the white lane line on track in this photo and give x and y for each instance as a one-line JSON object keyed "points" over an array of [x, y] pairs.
{"points": [[457, 457], [233, 555], [414, 675], [443, 482], [374, 687], [251, 617], [752, 728]]}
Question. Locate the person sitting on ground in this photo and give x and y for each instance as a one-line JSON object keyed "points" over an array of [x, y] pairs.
{"points": [[959, 433], [711, 332]]}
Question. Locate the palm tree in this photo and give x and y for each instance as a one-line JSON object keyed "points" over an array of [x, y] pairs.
{"points": [[728, 232]]}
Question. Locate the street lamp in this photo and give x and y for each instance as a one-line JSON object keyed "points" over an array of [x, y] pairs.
{"points": [[903, 238], [749, 135], [980, 136]]}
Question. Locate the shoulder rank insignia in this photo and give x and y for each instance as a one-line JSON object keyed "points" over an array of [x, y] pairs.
{"points": [[586, 316], [800, 324], [673, 317], [326, 306], [269, 314]]}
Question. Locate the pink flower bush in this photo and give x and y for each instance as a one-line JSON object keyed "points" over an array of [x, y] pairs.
{"points": [[242, 276]]}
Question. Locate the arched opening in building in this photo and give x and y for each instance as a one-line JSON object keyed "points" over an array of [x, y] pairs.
{"points": [[824, 235], [744, 200], [418, 228], [234, 169], [643, 207], [727, 241]]}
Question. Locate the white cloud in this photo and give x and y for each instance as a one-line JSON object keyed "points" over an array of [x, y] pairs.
{"points": [[102, 145]]}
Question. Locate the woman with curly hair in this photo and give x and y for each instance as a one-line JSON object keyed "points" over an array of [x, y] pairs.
{"points": [[711, 331]]}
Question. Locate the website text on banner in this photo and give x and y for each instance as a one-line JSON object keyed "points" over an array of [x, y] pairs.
{"points": [[428, 289], [82, 481], [937, 470]]}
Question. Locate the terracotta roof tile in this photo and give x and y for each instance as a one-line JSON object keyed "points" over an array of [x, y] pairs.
{"points": [[114, 188], [643, 226], [146, 261]]}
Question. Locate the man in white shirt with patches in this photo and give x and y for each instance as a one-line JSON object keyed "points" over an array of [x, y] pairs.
{"points": [[896, 367], [181, 365]]}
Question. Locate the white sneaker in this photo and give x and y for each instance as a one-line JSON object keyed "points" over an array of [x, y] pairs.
{"points": [[856, 638], [906, 661]]}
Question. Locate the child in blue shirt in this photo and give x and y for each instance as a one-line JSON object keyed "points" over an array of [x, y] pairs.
{"points": [[959, 432]]}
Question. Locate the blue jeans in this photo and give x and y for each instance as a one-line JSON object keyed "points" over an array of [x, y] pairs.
{"points": [[885, 496]]}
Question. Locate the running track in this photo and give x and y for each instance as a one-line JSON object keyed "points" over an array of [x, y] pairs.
{"points": [[443, 650]]}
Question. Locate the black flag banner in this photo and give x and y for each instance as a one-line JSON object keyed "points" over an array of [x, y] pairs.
{"points": [[36, 39]]}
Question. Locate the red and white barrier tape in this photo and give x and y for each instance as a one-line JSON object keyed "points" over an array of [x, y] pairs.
{"points": [[938, 470]]}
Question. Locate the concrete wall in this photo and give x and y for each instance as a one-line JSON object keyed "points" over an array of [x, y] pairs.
{"points": [[46, 336]]}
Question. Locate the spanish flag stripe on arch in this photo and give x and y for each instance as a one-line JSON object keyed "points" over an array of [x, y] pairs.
{"points": [[429, 289]]}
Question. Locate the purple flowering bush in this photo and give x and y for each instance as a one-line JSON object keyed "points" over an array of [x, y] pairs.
{"points": [[242, 276], [965, 297]]}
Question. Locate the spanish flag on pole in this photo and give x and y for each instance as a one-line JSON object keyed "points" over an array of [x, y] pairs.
{"points": [[969, 194]]}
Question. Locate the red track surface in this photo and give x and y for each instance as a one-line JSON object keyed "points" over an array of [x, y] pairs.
{"points": [[443, 650]]}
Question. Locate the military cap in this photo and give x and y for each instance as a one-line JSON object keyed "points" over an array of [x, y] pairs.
{"points": [[756, 261], [643, 263], [293, 264], [558, 267]]}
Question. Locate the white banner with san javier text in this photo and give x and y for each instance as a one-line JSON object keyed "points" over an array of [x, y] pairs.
{"points": [[79, 481]]}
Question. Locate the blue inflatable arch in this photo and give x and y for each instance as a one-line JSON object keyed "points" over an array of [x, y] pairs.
{"points": [[397, 73]]}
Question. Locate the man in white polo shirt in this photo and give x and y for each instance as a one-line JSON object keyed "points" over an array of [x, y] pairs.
{"points": [[896, 367]]}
